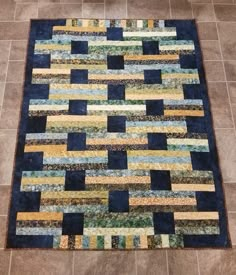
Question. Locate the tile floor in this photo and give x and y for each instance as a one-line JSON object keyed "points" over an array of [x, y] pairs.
{"points": [[217, 30]]}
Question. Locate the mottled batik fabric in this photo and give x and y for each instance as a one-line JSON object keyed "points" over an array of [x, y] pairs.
{"points": [[115, 145]]}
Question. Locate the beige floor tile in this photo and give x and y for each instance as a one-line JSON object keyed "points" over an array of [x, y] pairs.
{"points": [[207, 31], [11, 106], [232, 227], [203, 12], [26, 11], [72, 10], [232, 92], [230, 195], [7, 10], [214, 70], [115, 9], [230, 70], [41, 262], [228, 39], [4, 261], [16, 71], [50, 10], [93, 10], [14, 30], [105, 263], [5, 196], [217, 262], [4, 54], [225, 12], [18, 50], [226, 144], [151, 9], [220, 107], [7, 149], [3, 225], [181, 9], [181, 261], [148, 262], [210, 50]]}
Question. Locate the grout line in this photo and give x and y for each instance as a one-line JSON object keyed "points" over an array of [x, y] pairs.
{"points": [[126, 8], [219, 128], [191, 4], [14, 17], [167, 263], [136, 267], [198, 266], [227, 87], [232, 212], [9, 270], [3, 215], [82, 8]]}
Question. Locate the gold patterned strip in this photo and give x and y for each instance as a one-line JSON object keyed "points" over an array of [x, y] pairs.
{"points": [[39, 216]]}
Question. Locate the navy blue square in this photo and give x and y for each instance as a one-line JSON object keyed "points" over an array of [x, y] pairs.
{"points": [[72, 224], [164, 223], [75, 180], [116, 123], [36, 124], [28, 202], [115, 62], [160, 180], [117, 160], [152, 77], [76, 141], [194, 91], [188, 61], [206, 201], [41, 61], [157, 141], [33, 161], [79, 47], [196, 124], [150, 47], [79, 76], [114, 34], [201, 161], [116, 92], [154, 107], [118, 201], [37, 91], [78, 107]]}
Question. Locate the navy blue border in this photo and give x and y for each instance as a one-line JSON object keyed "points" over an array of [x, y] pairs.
{"points": [[42, 29]]}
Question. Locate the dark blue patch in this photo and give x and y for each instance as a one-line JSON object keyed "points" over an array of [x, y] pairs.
{"points": [[201, 161], [186, 29], [78, 107], [154, 107], [203, 241], [157, 141], [117, 160], [116, 123], [196, 125], [115, 34], [42, 61], [188, 61], [164, 223], [79, 47], [75, 180], [42, 29], [160, 180], [150, 47], [36, 124], [206, 201], [73, 224], [116, 92], [115, 62], [28, 202], [193, 91], [79, 76], [33, 161], [118, 201], [152, 77], [76, 142], [15, 241], [36, 91]]}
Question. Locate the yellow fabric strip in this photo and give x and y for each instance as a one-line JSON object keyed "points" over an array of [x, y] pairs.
{"points": [[39, 216]]}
